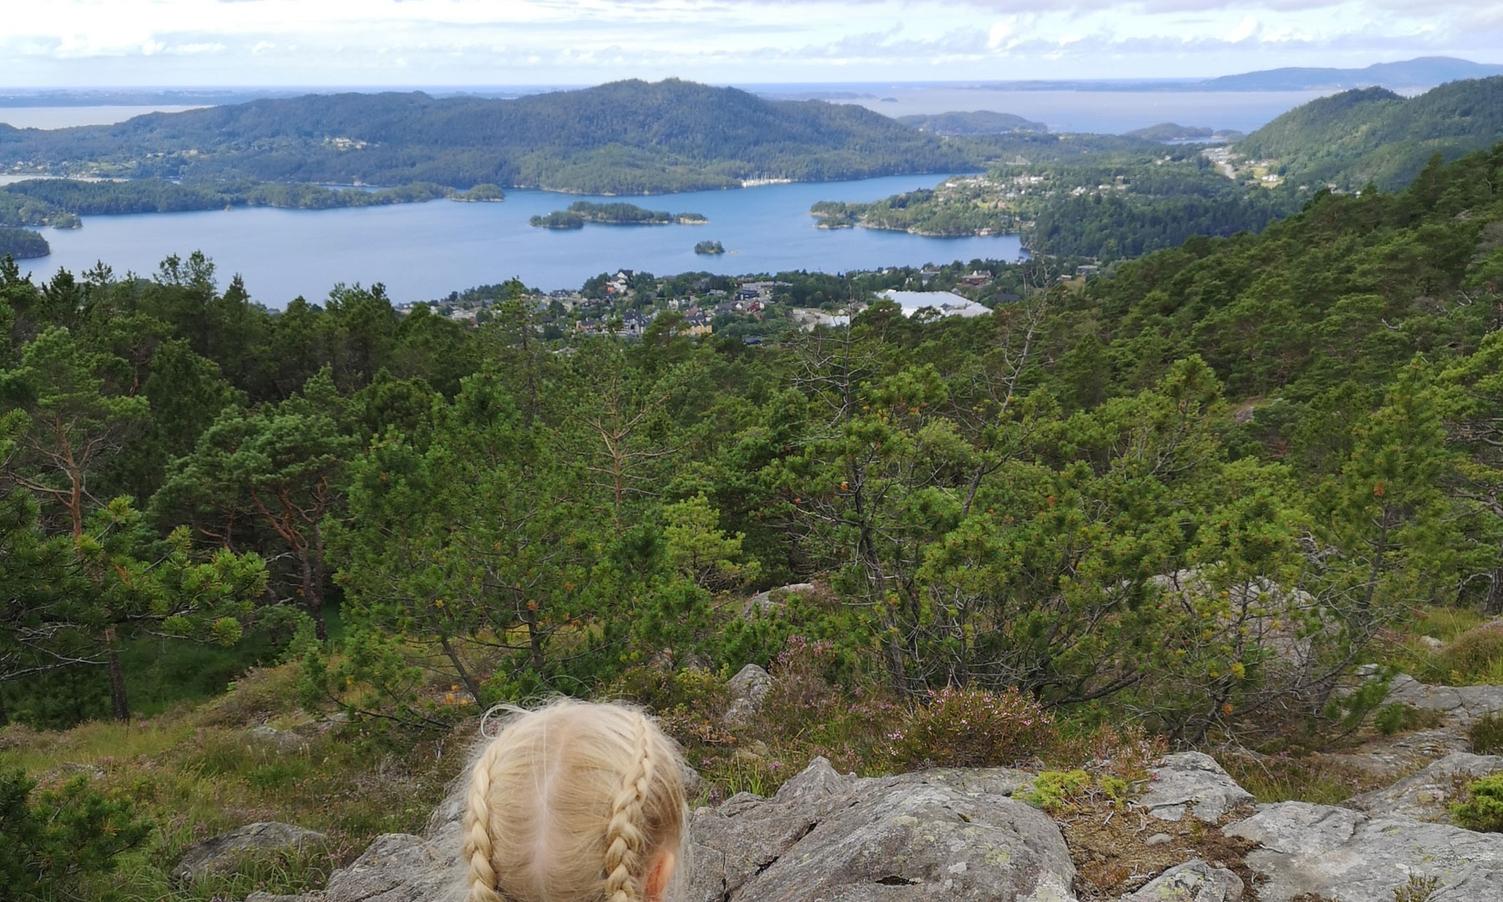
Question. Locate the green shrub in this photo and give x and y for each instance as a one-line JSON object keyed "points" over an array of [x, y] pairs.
{"points": [[1482, 809], [975, 728], [1486, 735], [48, 844]]}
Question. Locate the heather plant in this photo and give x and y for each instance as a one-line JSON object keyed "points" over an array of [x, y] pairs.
{"points": [[1486, 735], [974, 728], [1474, 657]]}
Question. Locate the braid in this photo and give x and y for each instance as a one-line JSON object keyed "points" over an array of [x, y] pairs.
{"points": [[624, 835], [477, 830]]}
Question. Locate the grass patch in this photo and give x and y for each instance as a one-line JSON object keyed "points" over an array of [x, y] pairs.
{"points": [[1295, 777], [1472, 653], [196, 773]]}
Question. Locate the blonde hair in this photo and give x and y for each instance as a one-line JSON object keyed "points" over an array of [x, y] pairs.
{"points": [[573, 802]]}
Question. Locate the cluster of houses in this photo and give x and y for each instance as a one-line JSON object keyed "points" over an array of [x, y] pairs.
{"points": [[602, 313]]}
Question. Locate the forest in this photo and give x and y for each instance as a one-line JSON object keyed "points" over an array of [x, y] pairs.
{"points": [[22, 244], [1110, 506], [60, 202], [1374, 136]]}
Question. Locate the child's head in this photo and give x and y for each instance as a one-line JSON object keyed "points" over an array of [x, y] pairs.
{"points": [[574, 802]]}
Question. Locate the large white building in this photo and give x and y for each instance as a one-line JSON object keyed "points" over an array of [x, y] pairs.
{"points": [[948, 303]]}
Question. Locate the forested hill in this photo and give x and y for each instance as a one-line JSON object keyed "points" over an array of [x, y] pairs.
{"points": [[623, 137], [1373, 135]]}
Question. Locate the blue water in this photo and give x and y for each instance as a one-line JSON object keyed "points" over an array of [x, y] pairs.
{"points": [[423, 251]]}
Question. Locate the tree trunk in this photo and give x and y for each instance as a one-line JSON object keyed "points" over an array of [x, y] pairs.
{"points": [[535, 643], [118, 698], [313, 597], [470, 685], [1494, 603]]}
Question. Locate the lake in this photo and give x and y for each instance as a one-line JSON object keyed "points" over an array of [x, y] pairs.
{"points": [[424, 251]]}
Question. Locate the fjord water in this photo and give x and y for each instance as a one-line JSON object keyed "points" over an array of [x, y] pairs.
{"points": [[424, 251]]}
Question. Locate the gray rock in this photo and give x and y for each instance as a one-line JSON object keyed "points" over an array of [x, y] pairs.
{"points": [[773, 599], [1158, 839], [227, 852], [1392, 757], [931, 835], [748, 688], [281, 740], [1425, 795], [1346, 856], [1192, 783], [1462, 705], [1193, 881], [400, 867], [276, 897]]}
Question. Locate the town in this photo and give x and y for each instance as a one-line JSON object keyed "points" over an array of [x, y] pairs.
{"points": [[755, 308]]}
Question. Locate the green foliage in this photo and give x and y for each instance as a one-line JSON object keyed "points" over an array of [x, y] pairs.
{"points": [[51, 842], [1482, 807], [1401, 718]]}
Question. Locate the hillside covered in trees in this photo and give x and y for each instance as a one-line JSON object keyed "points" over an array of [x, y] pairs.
{"points": [[628, 137], [1372, 135], [1107, 510]]}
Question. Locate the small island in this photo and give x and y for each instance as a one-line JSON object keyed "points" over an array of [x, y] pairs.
{"points": [[22, 244], [583, 211], [709, 248]]}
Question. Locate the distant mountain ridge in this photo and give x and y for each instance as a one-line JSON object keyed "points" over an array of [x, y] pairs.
{"points": [[1372, 135], [1422, 72], [627, 137]]}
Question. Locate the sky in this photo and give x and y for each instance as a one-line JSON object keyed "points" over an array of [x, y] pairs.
{"points": [[198, 43]]}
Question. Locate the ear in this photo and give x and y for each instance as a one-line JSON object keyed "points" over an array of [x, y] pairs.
{"points": [[660, 876]]}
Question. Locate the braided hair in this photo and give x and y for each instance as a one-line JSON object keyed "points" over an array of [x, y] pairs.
{"points": [[572, 801]]}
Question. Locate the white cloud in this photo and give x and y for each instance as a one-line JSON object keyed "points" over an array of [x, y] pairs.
{"points": [[581, 41]]}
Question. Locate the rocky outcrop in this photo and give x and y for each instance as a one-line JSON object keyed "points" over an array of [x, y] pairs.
{"points": [[1425, 795], [227, 852], [933, 835], [964, 835], [1326, 852], [1192, 783], [1193, 881]]}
